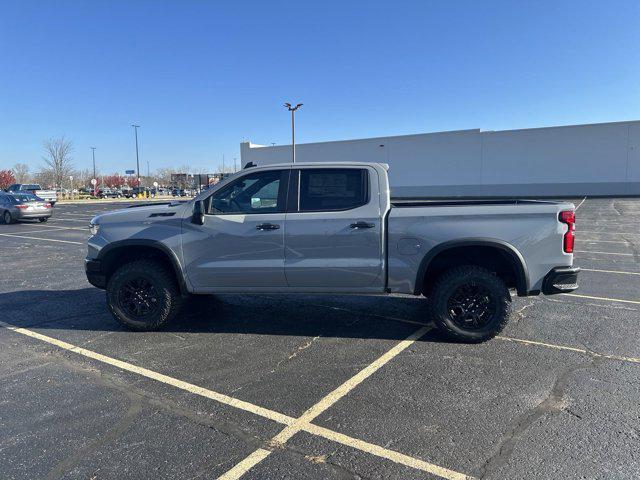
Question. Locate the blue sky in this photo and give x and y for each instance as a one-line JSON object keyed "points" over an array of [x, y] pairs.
{"points": [[201, 76]]}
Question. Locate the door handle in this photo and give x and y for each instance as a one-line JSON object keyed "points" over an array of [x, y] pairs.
{"points": [[359, 225], [267, 226]]}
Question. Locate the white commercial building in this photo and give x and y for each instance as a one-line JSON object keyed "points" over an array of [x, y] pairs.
{"points": [[572, 160]]}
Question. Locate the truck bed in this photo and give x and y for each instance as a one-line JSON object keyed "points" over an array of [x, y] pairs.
{"points": [[425, 202]]}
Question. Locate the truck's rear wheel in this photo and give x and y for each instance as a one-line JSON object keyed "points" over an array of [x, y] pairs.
{"points": [[143, 295], [470, 304]]}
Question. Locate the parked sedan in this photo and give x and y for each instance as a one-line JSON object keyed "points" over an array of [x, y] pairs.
{"points": [[22, 206]]}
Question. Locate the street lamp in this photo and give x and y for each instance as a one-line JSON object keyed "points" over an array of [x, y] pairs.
{"points": [[293, 129], [135, 129], [93, 153]]}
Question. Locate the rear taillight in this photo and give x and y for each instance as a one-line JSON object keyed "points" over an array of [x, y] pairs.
{"points": [[47, 205], [21, 207], [569, 218]]}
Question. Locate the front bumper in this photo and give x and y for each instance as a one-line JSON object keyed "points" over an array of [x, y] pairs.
{"points": [[93, 269], [560, 280]]}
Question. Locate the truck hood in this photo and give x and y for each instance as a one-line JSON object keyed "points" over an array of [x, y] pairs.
{"points": [[146, 214]]}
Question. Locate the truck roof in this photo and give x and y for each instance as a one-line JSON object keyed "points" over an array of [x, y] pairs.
{"points": [[322, 164]]}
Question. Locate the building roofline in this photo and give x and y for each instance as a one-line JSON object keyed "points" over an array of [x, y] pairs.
{"points": [[445, 132]]}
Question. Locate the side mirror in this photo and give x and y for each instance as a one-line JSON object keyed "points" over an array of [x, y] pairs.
{"points": [[198, 213]]}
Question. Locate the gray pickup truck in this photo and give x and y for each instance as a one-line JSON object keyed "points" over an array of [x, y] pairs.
{"points": [[332, 228]]}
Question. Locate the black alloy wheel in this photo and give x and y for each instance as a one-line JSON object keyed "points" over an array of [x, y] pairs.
{"points": [[472, 306], [138, 298], [469, 303]]}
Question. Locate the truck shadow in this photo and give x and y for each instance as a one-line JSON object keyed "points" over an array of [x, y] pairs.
{"points": [[384, 317]]}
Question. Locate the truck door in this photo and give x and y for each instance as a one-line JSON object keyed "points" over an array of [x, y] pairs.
{"points": [[241, 243], [333, 235]]}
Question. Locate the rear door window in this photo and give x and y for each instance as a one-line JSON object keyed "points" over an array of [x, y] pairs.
{"points": [[333, 189]]}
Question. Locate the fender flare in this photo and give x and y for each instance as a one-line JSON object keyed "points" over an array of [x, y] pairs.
{"points": [[153, 244], [515, 257]]}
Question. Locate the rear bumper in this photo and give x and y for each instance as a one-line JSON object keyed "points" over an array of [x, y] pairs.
{"points": [[560, 280], [93, 270], [27, 215]]}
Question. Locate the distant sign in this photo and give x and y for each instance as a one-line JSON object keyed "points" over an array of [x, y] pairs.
{"points": [[94, 181], [155, 184], [129, 172]]}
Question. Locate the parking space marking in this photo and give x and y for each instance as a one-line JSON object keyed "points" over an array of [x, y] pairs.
{"points": [[261, 411], [570, 349], [77, 215], [38, 238], [129, 367], [71, 220], [40, 231], [604, 253], [620, 272], [588, 240], [607, 299], [303, 423], [85, 229], [605, 232], [580, 204]]}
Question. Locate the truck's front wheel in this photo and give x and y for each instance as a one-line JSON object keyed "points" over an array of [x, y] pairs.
{"points": [[143, 295], [470, 304]]}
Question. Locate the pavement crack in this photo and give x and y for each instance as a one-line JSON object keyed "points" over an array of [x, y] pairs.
{"points": [[295, 353], [553, 402], [130, 417]]}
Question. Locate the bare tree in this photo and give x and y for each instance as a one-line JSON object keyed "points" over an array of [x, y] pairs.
{"points": [[58, 159], [21, 172], [163, 175]]}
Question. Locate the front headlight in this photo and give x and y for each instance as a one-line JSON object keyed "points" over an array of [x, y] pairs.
{"points": [[94, 227]]}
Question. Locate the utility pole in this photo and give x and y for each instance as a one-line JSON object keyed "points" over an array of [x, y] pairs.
{"points": [[135, 129], [293, 129], [148, 169]]}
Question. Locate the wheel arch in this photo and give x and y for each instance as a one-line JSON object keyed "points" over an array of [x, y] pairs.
{"points": [[121, 252], [429, 267]]}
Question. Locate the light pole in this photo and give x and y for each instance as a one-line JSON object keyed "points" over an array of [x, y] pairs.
{"points": [[293, 129], [135, 129], [93, 153]]}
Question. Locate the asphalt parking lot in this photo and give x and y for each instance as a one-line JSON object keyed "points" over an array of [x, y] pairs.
{"points": [[271, 386]]}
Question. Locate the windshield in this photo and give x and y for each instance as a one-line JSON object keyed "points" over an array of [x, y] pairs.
{"points": [[24, 197]]}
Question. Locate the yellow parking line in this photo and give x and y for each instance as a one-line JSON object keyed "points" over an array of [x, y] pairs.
{"points": [[38, 238], [382, 452], [604, 253], [635, 302], [620, 272], [304, 423], [570, 349], [278, 417], [129, 367]]}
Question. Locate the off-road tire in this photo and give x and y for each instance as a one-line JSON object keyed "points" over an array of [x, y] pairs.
{"points": [[445, 287], [168, 299]]}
